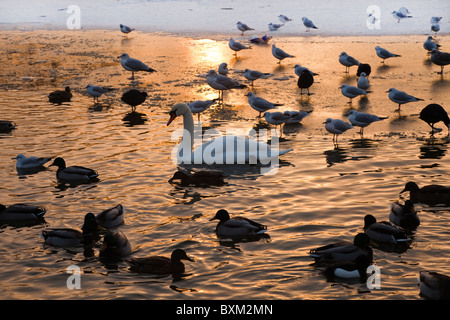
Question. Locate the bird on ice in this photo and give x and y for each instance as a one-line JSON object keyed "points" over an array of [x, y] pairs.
{"points": [[133, 65], [260, 104], [223, 69], [274, 26], [236, 46], [440, 58], [363, 82], [362, 120], [279, 53], [296, 116], [352, 91], [401, 97], [199, 106], [253, 75], [308, 24], [347, 61], [298, 69], [221, 83], [243, 27], [125, 29], [276, 118], [429, 44], [283, 19], [96, 91], [398, 15], [337, 127], [384, 54]]}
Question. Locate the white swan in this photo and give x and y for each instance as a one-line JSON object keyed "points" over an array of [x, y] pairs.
{"points": [[227, 149]]}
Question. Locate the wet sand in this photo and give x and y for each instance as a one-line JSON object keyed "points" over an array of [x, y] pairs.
{"points": [[50, 60]]}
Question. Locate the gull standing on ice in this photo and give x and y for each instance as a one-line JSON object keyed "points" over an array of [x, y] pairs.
{"points": [[276, 118], [223, 69], [352, 91], [398, 15], [429, 44], [243, 27], [259, 104], [440, 58], [363, 82], [337, 127], [125, 29], [279, 53], [283, 18], [96, 91], [253, 75], [308, 24], [200, 105], [384, 54], [236, 46], [296, 116], [347, 61], [274, 26], [221, 83], [401, 97], [298, 69], [361, 119], [133, 65]]}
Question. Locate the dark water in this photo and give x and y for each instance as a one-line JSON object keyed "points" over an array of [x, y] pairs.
{"points": [[319, 193]]}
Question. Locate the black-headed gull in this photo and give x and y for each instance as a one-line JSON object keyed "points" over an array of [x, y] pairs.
{"points": [[337, 127], [283, 19], [260, 104], [296, 116], [199, 106], [253, 75], [223, 69], [243, 27], [221, 83], [133, 65], [440, 58], [352, 91], [24, 163], [362, 120], [125, 29], [401, 97], [429, 44], [384, 54], [398, 15], [363, 82], [298, 70], [96, 91], [274, 26], [308, 24], [280, 54], [347, 61], [237, 46], [276, 118]]}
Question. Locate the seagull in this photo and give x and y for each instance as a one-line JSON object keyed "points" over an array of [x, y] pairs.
{"points": [[337, 127], [221, 83], [279, 53], [133, 65], [253, 75], [125, 29], [363, 82], [276, 118], [434, 113], [361, 119], [298, 70], [434, 20], [274, 26], [429, 44], [96, 91], [435, 27], [440, 58], [305, 80], [260, 104], [401, 97], [347, 61], [308, 24], [243, 27], [384, 54], [236, 46], [223, 69], [352, 91], [400, 15], [296, 116], [283, 18], [24, 163], [134, 98], [199, 106]]}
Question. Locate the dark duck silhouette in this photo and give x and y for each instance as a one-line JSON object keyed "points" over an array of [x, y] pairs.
{"points": [[363, 67], [160, 265], [199, 178], [237, 226], [431, 194], [73, 173], [305, 80], [434, 113], [134, 98], [60, 96]]}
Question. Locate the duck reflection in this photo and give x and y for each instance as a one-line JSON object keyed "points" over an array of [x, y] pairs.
{"points": [[134, 118], [433, 148]]}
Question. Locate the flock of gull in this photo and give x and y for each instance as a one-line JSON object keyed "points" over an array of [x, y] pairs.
{"points": [[342, 259]]}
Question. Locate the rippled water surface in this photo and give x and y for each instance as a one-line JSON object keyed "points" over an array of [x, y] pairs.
{"points": [[319, 193]]}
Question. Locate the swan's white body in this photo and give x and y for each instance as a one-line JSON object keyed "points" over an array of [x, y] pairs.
{"points": [[227, 149]]}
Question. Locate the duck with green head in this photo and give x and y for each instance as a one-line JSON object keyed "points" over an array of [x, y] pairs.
{"points": [[115, 246], [73, 173]]}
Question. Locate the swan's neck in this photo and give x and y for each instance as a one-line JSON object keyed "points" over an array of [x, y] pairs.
{"points": [[188, 124]]}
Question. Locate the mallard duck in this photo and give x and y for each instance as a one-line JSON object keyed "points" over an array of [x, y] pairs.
{"points": [[431, 194], [115, 246], [60, 96], [198, 178], [434, 285], [73, 173], [236, 226], [404, 215], [348, 269], [344, 250], [21, 212], [112, 217], [25, 163], [66, 237], [160, 265], [7, 126], [383, 231]]}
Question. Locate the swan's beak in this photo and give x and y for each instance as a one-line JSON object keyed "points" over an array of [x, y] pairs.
{"points": [[173, 115]]}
